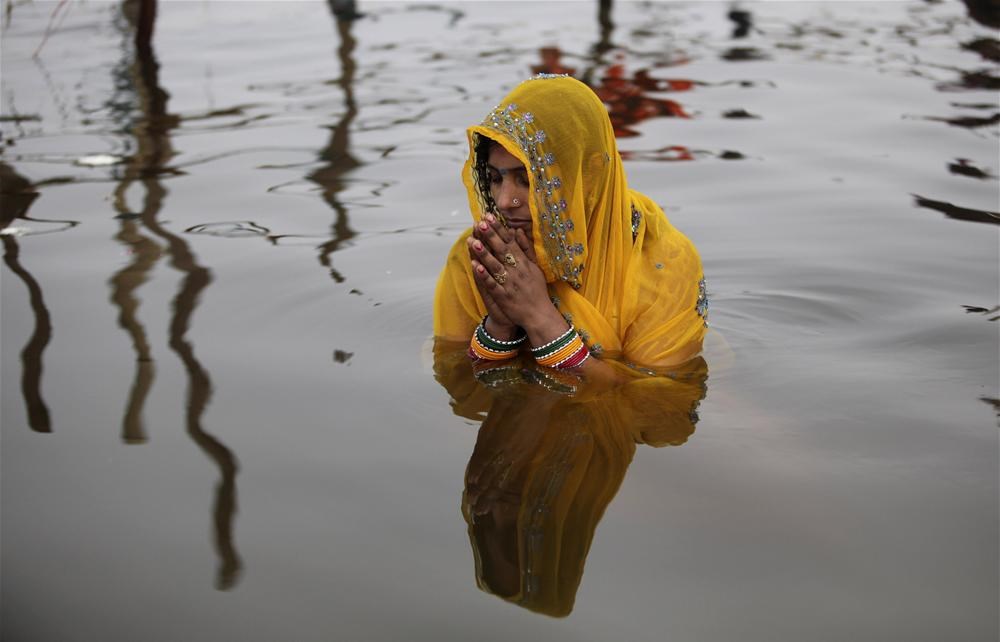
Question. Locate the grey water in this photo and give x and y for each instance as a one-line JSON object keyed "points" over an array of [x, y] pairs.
{"points": [[220, 412]]}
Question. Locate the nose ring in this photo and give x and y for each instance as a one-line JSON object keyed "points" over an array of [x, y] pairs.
{"points": [[516, 202]]}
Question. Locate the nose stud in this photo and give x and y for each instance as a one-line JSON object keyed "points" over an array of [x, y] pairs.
{"points": [[516, 202]]}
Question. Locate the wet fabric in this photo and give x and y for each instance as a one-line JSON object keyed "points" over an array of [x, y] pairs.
{"points": [[617, 269]]}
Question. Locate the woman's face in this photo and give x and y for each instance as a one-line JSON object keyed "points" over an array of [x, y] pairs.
{"points": [[510, 188]]}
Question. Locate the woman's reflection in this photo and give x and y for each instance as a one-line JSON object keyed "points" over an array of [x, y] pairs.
{"points": [[549, 457]]}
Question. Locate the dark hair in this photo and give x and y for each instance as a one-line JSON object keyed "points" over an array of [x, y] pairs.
{"points": [[481, 172]]}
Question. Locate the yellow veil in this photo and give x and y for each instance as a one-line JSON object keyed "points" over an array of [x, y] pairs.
{"points": [[617, 269]]}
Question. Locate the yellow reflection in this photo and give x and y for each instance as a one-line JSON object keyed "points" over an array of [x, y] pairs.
{"points": [[550, 455]]}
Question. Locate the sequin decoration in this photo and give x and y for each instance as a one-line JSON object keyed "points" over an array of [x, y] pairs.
{"points": [[554, 227], [636, 221], [701, 307]]}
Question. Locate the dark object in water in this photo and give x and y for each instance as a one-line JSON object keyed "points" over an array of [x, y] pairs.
{"points": [[743, 22], [974, 105], [969, 122], [340, 356], [972, 80], [738, 113], [986, 12], [988, 48], [975, 309], [344, 9], [731, 155], [996, 406], [963, 167], [744, 54], [960, 213]]}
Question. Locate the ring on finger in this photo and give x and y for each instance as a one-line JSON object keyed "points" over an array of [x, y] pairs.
{"points": [[509, 259], [500, 277]]}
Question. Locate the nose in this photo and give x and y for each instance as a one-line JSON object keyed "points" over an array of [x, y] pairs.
{"points": [[509, 196]]}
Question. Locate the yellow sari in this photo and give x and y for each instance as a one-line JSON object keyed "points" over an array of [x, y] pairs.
{"points": [[617, 269]]}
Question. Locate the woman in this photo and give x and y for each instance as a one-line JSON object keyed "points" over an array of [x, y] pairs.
{"points": [[564, 258]]}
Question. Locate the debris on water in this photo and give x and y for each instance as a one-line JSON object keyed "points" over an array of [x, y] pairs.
{"points": [[98, 160], [738, 113], [340, 356], [964, 167], [230, 229]]}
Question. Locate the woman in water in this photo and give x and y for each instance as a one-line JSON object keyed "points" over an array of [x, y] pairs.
{"points": [[564, 259]]}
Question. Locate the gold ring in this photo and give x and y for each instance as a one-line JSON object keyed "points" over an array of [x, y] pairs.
{"points": [[501, 277], [509, 259]]}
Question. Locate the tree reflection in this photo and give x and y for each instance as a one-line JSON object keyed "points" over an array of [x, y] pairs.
{"points": [[549, 457], [16, 197], [337, 153], [151, 130]]}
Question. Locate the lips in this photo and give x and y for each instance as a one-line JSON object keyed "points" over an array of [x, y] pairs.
{"points": [[522, 223]]}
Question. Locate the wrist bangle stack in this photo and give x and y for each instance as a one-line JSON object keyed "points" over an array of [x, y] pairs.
{"points": [[484, 346], [564, 352]]}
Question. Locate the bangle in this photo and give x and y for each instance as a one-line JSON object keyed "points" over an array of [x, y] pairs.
{"points": [[564, 352], [552, 346], [485, 346], [490, 339]]}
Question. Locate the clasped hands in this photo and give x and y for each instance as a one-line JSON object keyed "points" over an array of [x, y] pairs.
{"points": [[511, 284]]}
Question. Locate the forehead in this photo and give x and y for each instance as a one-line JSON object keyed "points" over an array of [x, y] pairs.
{"points": [[500, 158]]}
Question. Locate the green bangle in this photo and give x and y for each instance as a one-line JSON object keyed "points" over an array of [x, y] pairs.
{"points": [[497, 345], [555, 345]]}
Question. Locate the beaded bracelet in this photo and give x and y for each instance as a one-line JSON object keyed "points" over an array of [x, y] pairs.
{"points": [[564, 352], [485, 346]]}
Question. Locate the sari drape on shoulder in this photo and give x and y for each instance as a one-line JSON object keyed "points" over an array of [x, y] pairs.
{"points": [[617, 269]]}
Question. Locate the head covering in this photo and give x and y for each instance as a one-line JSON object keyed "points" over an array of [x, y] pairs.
{"points": [[630, 283]]}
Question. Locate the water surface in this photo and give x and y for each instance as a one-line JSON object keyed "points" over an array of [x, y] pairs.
{"points": [[221, 418]]}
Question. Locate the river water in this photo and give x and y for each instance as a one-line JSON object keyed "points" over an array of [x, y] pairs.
{"points": [[222, 414]]}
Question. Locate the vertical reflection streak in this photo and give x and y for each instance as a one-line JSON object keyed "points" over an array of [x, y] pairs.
{"points": [[336, 154], [31, 355], [124, 284], [16, 197], [152, 134], [196, 279]]}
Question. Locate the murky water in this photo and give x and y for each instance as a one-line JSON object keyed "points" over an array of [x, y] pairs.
{"points": [[221, 418]]}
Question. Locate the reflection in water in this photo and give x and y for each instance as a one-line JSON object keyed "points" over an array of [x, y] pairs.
{"points": [[964, 167], [995, 403], [549, 457], [956, 212], [742, 22], [337, 154], [605, 27], [985, 12], [16, 196], [151, 130], [626, 98]]}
